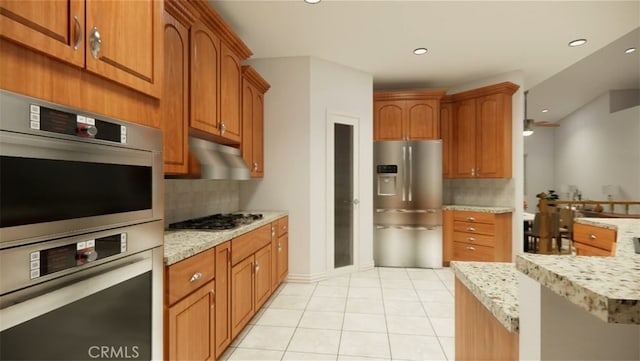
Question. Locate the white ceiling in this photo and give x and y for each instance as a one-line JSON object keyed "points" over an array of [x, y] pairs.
{"points": [[467, 41]]}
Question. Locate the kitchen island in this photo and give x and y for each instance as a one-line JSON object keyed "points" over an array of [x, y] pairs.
{"points": [[565, 307]]}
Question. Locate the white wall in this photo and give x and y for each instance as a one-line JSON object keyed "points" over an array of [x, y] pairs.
{"points": [[539, 150], [303, 90], [594, 148]]}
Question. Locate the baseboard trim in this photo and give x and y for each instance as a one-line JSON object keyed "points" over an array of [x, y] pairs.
{"points": [[306, 278]]}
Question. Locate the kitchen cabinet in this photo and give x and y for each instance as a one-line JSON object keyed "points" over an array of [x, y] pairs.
{"points": [[253, 89], [482, 131], [250, 275], [117, 40], [407, 115], [446, 133], [280, 250], [477, 236], [175, 98], [190, 310], [589, 240], [223, 297]]}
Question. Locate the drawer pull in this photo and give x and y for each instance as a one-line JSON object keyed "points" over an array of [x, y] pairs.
{"points": [[470, 248], [471, 219], [471, 239], [196, 276], [273, 231], [257, 268], [471, 229], [592, 236]]}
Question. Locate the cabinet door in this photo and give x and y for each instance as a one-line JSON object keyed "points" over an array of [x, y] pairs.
{"points": [[205, 52], [587, 250], [223, 297], [242, 306], [447, 237], [490, 135], [191, 326], [464, 145], [422, 119], [262, 276], [230, 78], [258, 135], [387, 120], [282, 251], [55, 28], [132, 40], [446, 133], [274, 256], [248, 92], [175, 98]]}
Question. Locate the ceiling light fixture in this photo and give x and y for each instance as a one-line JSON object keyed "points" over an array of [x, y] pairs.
{"points": [[528, 127], [312, 1], [545, 110], [577, 42], [420, 51], [630, 50]]}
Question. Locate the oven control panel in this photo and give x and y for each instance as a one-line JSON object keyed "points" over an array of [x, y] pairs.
{"points": [[57, 121], [52, 260]]}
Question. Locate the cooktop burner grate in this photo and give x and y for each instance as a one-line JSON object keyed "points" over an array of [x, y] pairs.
{"points": [[217, 221]]}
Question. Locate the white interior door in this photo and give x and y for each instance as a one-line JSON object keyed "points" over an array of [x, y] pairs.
{"points": [[342, 192]]}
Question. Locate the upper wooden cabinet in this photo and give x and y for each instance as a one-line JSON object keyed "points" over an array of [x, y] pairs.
{"points": [[407, 115], [482, 131], [118, 40], [446, 133], [204, 70], [253, 89]]}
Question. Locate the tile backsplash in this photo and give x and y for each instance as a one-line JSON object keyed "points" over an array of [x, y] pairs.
{"points": [[479, 192], [191, 198]]}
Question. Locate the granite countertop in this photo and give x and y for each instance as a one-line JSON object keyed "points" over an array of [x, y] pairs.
{"points": [[607, 287], [484, 209], [495, 285], [182, 244]]}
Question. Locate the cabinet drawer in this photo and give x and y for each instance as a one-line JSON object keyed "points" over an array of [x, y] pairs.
{"points": [[283, 225], [476, 217], [475, 239], [474, 228], [188, 275], [247, 244], [472, 252], [594, 236], [587, 250]]}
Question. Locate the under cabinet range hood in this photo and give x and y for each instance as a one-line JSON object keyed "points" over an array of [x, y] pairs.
{"points": [[218, 161]]}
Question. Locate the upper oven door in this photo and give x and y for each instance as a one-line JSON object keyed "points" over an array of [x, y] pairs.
{"points": [[53, 187]]}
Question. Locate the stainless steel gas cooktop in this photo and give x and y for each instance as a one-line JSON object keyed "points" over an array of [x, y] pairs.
{"points": [[217, 221]]}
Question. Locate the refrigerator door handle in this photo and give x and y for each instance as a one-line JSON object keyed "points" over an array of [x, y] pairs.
{"points": [[410, 163], [404, 173]]}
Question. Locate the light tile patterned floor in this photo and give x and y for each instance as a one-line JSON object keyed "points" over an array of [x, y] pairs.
{"points": [[382, 314]]}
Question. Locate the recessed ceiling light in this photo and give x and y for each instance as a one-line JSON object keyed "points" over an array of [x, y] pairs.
{"points": [[577, 42], [420, 51], [630, 50], [312, 1], [545, 110]]}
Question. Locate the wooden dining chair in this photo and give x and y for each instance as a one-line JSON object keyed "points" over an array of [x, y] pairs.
{"points": [[565, 226], [533, 236]]}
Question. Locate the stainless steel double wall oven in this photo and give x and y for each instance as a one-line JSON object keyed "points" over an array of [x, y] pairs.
{"points": [[81, 233]]}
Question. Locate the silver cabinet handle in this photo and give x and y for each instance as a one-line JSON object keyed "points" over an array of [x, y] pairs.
{"points": [[279, 248], [471, 239], [223, 128], [257, 267], [79, 36], [95, 42], [592, 236], [255, 166], [471, 248], [196, 276], [473, 172], [471, 229], [356, 202], [273, 231], [471, 219]]}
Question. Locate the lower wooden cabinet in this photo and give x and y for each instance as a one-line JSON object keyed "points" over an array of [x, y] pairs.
{"points": [[223, 297], [476, 236], [589, 240], [262, 275]]}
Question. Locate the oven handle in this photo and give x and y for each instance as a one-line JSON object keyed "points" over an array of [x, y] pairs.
{"points": [[41, 304]]}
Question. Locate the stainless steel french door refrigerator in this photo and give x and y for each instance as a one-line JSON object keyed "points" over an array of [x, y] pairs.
{"points": [[407, 203]]}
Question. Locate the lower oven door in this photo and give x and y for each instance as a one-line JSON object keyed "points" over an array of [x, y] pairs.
{"points": [[112, 311]]}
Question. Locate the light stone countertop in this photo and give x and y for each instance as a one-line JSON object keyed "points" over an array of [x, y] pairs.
{"points": [[182, 244], [607, 287], [495, 285], [484, 209]]}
